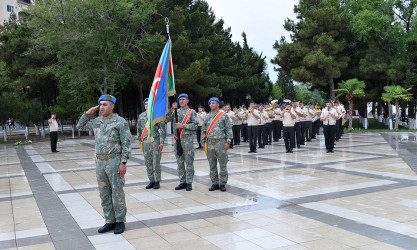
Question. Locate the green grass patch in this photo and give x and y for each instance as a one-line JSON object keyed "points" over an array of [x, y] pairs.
{"points": [[373, 127]]}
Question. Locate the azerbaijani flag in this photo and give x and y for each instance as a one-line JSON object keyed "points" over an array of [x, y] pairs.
{"points": [[163, 86]]}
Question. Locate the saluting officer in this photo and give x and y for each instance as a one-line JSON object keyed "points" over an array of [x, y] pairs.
{"points": [[217, 133], [186, 125], [112, 136], [152, 149]]}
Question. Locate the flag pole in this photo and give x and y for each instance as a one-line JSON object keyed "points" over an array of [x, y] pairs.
{"points": [[178, 141]]}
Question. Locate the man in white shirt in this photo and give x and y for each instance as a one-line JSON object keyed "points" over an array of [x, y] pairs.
{"points": [[309, 122], [237, 125], [244, 127], [53, 132], [269, 126], [252, 116], [262, 135], [288, 117], [316, 121], [303, 122], [298, 122], [201, 115], [329, 117], [232, 118], [276, 126]]}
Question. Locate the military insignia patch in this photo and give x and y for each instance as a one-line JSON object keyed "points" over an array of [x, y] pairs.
{"points": [[109, 97]]}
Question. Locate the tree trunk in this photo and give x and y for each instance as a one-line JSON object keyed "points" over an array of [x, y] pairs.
{"points": [[350, 114], [397, 116], [331, 85], [120, 103], [140, 87]]}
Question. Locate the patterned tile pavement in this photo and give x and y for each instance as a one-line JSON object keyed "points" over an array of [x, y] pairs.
{"points": [[361, 197]]}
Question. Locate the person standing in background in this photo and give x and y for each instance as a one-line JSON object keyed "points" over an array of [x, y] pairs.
{"points": [[201, 115], [53, 132]]}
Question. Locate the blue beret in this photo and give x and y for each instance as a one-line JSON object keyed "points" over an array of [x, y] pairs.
{"points": [[213, 99], [147, 99], [183, 95], [109, 98]]}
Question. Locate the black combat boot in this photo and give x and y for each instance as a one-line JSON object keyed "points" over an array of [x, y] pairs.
{"points": [[107, 227], [120, 228], [181, 186], [214, 187], [156, 186], [150, 185], [189, 187], [223, 188]]}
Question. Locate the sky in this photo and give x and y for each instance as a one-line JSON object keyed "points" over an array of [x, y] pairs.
{"points": [[261, 20]]}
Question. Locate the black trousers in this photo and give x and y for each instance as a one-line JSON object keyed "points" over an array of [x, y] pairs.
{"points": [[199, 135], [262, 136], [329, 136], [279, 129], [288, 135], [244, 131], [303, 132], [316, 127], [269, 128], [309, 130], [252, 135], [338, 126], [275, 125], [297, 128], [236, 134], [54, 140]]}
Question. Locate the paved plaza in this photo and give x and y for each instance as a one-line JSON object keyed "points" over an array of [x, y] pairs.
{"points": [[364, 196]]}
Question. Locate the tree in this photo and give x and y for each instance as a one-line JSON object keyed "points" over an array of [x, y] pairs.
{"points": [[286, 85], [304, 93], [351, 88], [396, 93], [317, 51], [93, 40]]}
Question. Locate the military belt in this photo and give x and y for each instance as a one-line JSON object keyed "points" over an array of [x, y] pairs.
{"points": [[215, 139], [104, 157]]}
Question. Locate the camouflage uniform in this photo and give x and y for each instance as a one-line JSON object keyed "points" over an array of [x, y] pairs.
{"points": [[185, 162], [150, 148], [219, 135], [112, 136]]}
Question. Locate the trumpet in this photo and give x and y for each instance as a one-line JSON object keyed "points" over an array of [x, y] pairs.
{"points": [[269, 109], [287, 109], [317, 109]]}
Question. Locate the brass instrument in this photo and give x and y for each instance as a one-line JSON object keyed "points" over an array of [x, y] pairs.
{"points": [[317, 109], [269, 109], [287, 109]]}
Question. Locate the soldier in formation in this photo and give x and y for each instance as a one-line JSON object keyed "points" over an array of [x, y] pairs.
{"points": [[151, 147], [185, 126], [217, 136]]}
